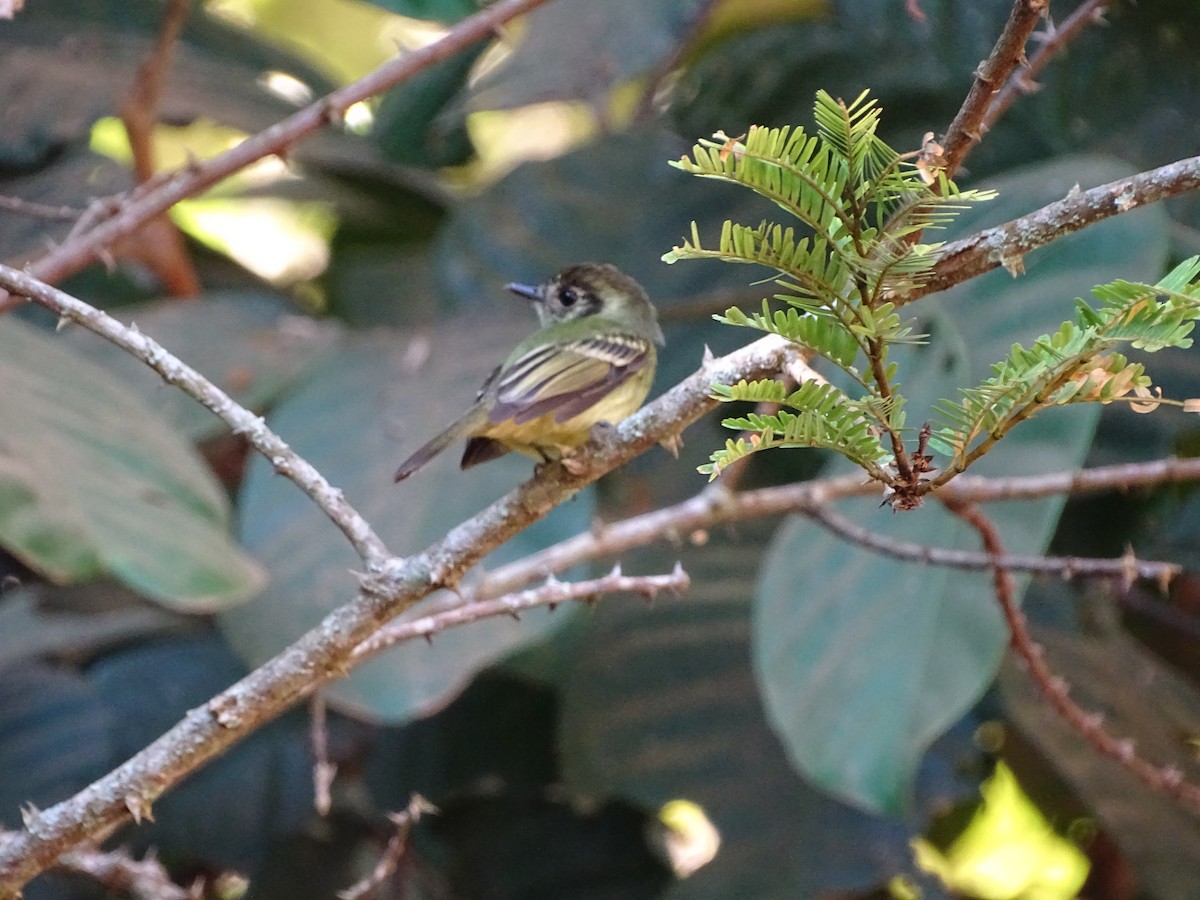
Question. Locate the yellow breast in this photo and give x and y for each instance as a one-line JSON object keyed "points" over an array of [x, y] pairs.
{"points": [[536, 436]]}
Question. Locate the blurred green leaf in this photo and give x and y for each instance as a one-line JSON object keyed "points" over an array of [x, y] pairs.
{"points": [[579, 50], [616, 201], [249, 344], [79, 60], [863, 661], [93, 483], [412, 125], [447, 11], [355, 419], [78, 621]]}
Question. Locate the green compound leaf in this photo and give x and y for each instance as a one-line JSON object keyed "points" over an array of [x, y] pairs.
{"points": [[1075, 364], [825, 417]]}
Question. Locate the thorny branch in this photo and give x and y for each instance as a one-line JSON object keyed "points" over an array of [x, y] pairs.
{"points": [[967, 128], [151, 199], [1090, 12], [391, 584], [716, 505], [1006, 245], [144, 879], [286, 461], [394, 852], [554, 592], [1127, 567], [1167, 779]]}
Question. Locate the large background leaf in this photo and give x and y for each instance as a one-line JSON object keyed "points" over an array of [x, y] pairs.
{"points": [[577, 49], [864, 661], [252, 345], [92, 483]]}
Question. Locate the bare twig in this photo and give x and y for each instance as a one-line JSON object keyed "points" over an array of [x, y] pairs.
{"points": [[967, 128], [144, 879], [1021, 83], [1126, 567], [286, 461], [324, 771], [74, 254], [1005, 245], [390, 586], [1167, 779], [39, 210], [159, 246], [551, 594], [394, 852], [716, 505]]}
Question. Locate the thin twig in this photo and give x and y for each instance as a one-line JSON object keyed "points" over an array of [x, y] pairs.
{"points": [[1167, 779], [394, 852], [1006, 245], [716, 506], [1125, 567], [286, 461], [159, 245], [551, 594], [39, 210], [1009, 52], [143, 879], [73, 255], [324, 771], [1022, 83]]}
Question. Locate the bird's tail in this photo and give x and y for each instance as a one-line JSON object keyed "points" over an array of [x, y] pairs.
{"points": [[462, 428]]}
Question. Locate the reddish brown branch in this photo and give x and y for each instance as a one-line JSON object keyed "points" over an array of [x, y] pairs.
{"points": [[158, 244], [1167, 779], [394, 852], [1127, 568], [1090, 12], [86, 248], [967, 128]]}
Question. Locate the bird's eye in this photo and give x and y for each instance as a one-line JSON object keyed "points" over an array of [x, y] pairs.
{"points": [[568, 296]]}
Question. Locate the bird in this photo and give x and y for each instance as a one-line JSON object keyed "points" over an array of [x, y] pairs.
{"points": [[591, 362]]}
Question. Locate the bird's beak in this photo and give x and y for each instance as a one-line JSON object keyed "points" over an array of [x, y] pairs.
{"points": [[528, 291]]}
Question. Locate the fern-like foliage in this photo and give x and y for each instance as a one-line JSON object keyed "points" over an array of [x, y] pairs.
{"points": [[814, 415], [1078, 363], [850, 247], [855, 208], [858, 198]]}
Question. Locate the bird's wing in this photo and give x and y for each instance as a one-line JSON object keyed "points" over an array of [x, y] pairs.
{"points": [[565, 379]]}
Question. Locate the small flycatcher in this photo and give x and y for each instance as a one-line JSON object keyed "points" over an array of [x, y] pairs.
{"points": [[592, 361]]}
